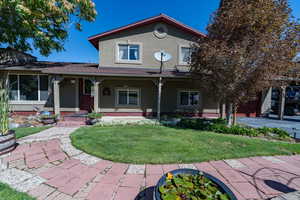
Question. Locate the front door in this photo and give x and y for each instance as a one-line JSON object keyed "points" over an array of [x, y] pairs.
{"points": [[85, 94]]}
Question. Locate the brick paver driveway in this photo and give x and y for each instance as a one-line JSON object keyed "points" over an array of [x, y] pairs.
{"points": [[52, 169]]}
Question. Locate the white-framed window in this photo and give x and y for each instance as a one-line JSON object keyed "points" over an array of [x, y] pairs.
{"points": [[185, 54], [129, 53], [188, 98], [128, 97], [28, 87]]}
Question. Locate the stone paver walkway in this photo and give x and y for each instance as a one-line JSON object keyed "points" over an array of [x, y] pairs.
{"points": [[48, 167]]}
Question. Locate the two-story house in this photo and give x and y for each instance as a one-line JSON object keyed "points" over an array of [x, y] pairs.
{"points": [[125, 82]]}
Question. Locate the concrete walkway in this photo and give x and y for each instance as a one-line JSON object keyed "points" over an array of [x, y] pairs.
{"points": [[48, 167]]}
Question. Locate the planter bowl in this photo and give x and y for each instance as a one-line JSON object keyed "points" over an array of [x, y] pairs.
{"points": [[92, 121], [7, 142], [162, 180]]}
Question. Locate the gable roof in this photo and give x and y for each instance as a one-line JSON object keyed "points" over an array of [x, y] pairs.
{"points": [[159, 18]]}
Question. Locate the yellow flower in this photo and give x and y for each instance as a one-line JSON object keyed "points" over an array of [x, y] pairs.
{"points": [[169, 176]]}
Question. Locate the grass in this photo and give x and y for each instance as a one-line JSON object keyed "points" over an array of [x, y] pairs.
{"points": [[22, 132], [7, 193], [158, 144]]}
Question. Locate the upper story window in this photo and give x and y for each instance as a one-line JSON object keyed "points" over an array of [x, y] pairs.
{"points": [[128, 52], [185, 54], [28, 87], [189, 98]]}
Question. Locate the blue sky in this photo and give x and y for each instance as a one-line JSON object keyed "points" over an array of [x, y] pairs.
{"points": [[115, 13]]}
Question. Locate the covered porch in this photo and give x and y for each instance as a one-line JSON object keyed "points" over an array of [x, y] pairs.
{"points": [[128, 91], [131, 96]]}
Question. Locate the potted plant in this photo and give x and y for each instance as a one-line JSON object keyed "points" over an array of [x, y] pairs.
{"points": [[93, 118], [47, 119], [7, 136], [189, 184]]}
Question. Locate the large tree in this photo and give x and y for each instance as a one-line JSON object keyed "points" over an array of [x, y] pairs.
{"points": [[41, 24], [250, 46]]}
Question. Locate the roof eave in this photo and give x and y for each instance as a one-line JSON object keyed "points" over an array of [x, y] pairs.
{"points": [[95, 39]]}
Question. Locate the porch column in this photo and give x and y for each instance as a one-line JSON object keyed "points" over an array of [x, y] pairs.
{"points": [[77, 95], [56, 94], [159, 85], [97, 94], [281, 102]]}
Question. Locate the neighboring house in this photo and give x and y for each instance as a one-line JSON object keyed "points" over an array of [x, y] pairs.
{"points": [[124, 83]]}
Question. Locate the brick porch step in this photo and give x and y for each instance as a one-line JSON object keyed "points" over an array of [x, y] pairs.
{"points": [[80, 116], [75, 118]]}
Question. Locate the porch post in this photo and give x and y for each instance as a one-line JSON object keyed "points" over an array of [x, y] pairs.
{"points": [[281, 102], [77, 95], [56, 97], [56, 94], [96, 83], [96, 96], [159, 98]]}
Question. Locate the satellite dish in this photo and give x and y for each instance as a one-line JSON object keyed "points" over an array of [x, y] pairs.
{"points": [[162, 56]]}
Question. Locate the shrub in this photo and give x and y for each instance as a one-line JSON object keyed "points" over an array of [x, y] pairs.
{"points": [[273, 131], [198, 124], [220, 126], [4, 108], [280, 133], [239, 130], [219, 121], [95, 115]]}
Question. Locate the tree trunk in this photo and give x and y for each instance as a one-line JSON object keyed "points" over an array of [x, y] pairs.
{"points": [[235, 107], [222, 110], [281, 102], [229, 116]]}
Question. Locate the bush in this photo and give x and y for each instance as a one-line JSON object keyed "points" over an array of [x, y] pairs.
{"points": [[220, 126], [198, 124], [273, 131], [42, 117], [95, 115], [281, 133]]}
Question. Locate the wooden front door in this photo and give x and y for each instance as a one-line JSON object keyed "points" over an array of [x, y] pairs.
{"points": [[85, 94]]}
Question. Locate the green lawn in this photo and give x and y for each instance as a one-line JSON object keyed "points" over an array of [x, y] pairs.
{"points": [[158, 144], [7, 193], [22, 132]]}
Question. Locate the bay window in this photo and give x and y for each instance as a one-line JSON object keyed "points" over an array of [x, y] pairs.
{"points": [[189, 98], [28, 87]]}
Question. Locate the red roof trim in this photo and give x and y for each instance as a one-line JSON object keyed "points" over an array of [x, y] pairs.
{"points": [[162, 17]]}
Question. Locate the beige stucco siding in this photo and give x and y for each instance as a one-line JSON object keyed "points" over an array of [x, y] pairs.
{"points": [[148, 97], [149, 44]]}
